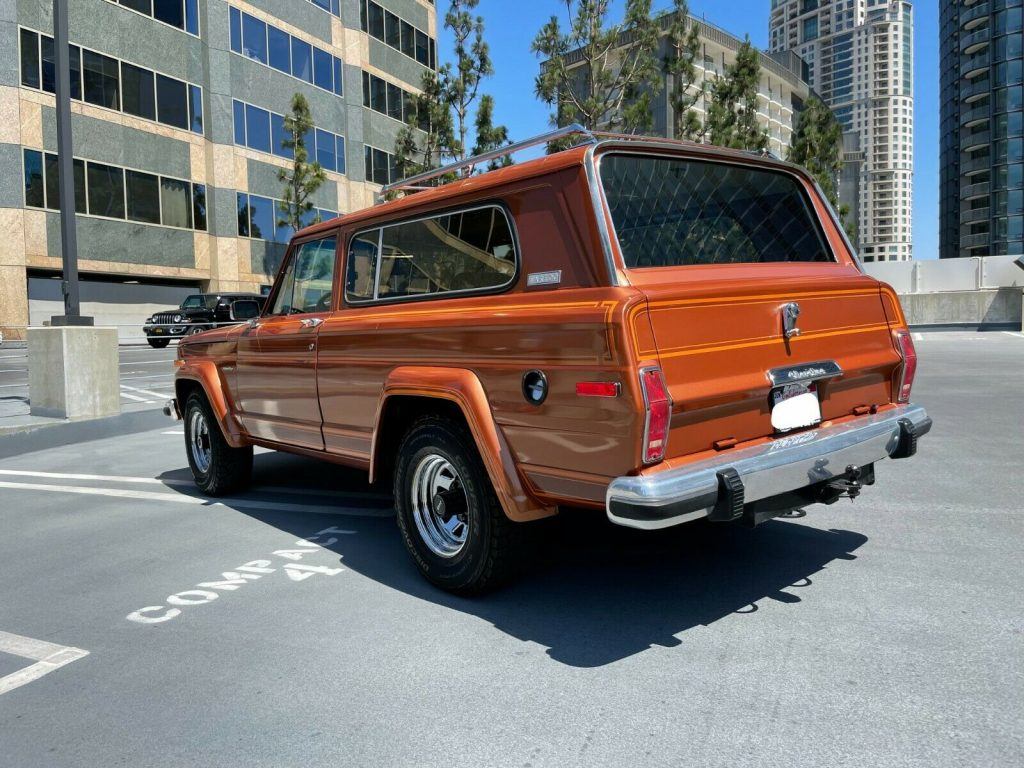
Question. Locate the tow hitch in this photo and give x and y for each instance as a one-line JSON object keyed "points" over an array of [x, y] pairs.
{"points": [[847, 485]]}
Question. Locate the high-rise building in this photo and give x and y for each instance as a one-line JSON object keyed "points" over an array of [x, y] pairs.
{"points": [[178, 119], [981, 203], [782, 89], [859, 55]]}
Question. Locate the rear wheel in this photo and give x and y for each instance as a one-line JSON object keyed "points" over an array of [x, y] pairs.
{"points": [[217, 468], [158, 343], [450, 518]]}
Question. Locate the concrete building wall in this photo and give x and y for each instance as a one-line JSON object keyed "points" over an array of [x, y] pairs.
{"points": [[860, 59], [205, 157]]}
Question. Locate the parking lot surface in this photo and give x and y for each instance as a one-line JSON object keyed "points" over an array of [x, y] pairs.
{"points": [[287, 627]]}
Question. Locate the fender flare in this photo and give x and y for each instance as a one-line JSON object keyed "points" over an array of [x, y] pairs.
{"points": [[209, 377], [462, 387]]}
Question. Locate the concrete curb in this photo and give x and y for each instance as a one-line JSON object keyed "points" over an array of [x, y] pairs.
{"points": [[44, 436]]}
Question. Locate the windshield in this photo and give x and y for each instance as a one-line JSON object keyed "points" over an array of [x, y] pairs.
{"points": [[199, 300], [675, 212]]}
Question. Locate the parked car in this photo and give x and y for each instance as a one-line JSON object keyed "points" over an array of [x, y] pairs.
{"points": [[654, 330], [201, 312]]}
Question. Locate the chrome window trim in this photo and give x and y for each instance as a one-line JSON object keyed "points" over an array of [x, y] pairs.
{"points": [[378, 300]]}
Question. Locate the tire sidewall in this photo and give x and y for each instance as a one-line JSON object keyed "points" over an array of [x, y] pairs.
{"points": [[435, 437], [195, 402]]}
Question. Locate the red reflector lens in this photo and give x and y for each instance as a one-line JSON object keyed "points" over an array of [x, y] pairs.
{"points": [[597, 389], [905, 344], [659, 414]]}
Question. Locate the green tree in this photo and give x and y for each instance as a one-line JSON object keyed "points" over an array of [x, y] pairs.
{"points": [[488, 135], [428, 138], [608, 83], [732, 114], [680, 65], [304, 178], [817, 145], [472, 65]]}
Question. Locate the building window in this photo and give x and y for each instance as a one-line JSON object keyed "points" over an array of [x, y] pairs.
{"points": [[257, 217], [388, 99], [380, 167], [181, 14], [264, 131], [113, 192], [397, 33], [268, 45], [113, 84]]}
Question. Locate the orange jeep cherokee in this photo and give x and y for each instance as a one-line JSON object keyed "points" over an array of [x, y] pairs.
{"points": [[658, 330]]}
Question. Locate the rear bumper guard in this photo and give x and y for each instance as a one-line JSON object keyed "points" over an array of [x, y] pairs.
{"points": [[171, 409], [707, 487]]}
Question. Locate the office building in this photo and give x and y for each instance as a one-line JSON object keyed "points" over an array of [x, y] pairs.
{"points": [[178, 120]]}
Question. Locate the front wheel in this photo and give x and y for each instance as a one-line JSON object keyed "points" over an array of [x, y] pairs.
{"points": [[451, 521], [217, 468]]}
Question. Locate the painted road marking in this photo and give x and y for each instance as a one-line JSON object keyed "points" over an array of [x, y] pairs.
{"points": [[143, 391], [47, 657], [135, 398], [1016, 334], [149, 362], [174, 432], [180, 498], [918, 337], [167, 375], [176, 482]]}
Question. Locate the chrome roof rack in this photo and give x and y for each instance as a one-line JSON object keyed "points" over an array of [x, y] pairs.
{"points": [[415, 183]]}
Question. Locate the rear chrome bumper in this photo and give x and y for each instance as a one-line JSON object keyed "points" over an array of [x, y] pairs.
{"points": [[674, 496]]}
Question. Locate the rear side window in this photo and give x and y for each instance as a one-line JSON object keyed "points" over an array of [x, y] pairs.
{"points": [[471, 250], [678, 212]]}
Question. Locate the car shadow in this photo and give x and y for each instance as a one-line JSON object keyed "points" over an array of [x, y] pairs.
{"points": [[590, 592]]}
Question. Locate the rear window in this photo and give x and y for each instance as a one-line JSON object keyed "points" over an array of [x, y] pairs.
{"points": [[675, 212]]}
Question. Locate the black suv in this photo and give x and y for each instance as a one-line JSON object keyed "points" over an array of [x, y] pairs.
{"points": [[200, 312]]}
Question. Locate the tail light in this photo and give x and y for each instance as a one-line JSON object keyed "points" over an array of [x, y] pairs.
{"points": [[658, 405], [905, 379]]}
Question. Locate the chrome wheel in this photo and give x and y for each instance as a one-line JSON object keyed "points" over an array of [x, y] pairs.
{"points": [[439, 505], [199, 441]]}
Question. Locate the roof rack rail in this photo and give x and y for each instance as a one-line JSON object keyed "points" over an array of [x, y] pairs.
{"points": [[413, 182]]}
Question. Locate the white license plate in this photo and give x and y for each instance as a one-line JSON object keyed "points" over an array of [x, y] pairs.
{"points": [[795, 406]]}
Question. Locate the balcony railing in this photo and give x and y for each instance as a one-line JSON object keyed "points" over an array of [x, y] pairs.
{"points": [[969, 191], [974, 140], [974, 241], [975, 115], [974, 41], [979, 164], [973, 13], [977, 214], [975, 88], [975, 63]]}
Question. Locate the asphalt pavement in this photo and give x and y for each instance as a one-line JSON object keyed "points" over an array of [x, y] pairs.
{"points": [[142, 625]]}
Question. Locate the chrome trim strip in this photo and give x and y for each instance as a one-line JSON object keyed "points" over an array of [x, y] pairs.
{"points": [[601, 214], [784, 464], [791, 374]]}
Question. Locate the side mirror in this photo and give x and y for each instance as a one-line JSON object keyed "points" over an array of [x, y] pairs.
{"points": [[245, 309]]}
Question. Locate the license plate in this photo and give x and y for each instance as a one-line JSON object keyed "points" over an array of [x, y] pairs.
{"points": [[158, 330], [795, 406]]}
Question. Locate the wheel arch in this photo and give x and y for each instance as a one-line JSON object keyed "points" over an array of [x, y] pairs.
{"points": [[205, 378], [457, 393]]}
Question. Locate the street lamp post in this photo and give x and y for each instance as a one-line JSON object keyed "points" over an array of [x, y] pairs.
{"points": [[66, 171]]}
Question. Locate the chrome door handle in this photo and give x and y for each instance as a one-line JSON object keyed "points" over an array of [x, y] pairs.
{"points": [[312, 322]]}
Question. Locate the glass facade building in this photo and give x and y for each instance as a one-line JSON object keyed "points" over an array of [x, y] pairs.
{"points": [[981, 205]]}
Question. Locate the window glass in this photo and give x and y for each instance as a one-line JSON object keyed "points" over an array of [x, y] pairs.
{"points": [[340, 154], [242, 202], [278, 136], [422, 49], [257, 128], [100, 76], [106, 190], [285, 288], [238, 108], [199, 206], [195, 108], [236, 30], [279, 49], [137, 91], [49, 68], [314, 276], [361, 266], [176, 203], [672, 212], [76, 71], [323, 69], [143, 193], [378, 94], [302, 60], [459, 252], [170, 12], [33, 178], [29, 59], [171, 102], [376, 20], [262, 218], [192, 16], [53, 183], [394, 101], [408, 39], [254, 38], [193, 301], [325, 149], [392, 30], [339, 83]]}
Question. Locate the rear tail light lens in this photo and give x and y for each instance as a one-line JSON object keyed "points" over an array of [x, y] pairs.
{"points": [[659, 414], [905, 380]]}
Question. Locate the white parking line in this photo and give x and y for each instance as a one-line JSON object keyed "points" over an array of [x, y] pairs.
{"points": [[151, 393], [148, 362], [174, 432], [180, 498], [135, 398], [176, 482], [47, 657], [918, 337], [1017, 334]]}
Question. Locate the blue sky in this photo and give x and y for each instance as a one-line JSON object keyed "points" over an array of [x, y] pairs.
{"points": [[512, 25]]}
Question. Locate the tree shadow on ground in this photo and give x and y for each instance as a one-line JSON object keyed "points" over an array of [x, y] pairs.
{"points": [[591, 592]]}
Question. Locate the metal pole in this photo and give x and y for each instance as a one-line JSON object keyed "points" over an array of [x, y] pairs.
{"points": [[66, 170]]}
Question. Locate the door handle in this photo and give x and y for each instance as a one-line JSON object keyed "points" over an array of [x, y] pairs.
{"points": [[311, 322]]}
